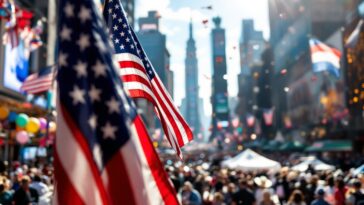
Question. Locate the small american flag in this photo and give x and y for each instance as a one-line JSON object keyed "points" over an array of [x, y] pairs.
{"points": [[39, 82], [103, 154], [140, 78]]}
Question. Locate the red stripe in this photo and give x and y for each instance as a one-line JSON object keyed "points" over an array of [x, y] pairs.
{"points": [[86, 150], [66, 193], [37, 81], [138, 93], [161, 178], [321, 48], [119, 187], [136, 78], [170, 119], [132, 64], [38, 90], [179, 117], [165, 128]]}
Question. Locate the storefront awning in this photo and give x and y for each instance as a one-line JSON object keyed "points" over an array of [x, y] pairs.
{"points": [[331, 145]]}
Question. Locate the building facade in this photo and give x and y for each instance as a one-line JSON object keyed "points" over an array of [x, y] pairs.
{"points": [[219, 98], [192, 113]]}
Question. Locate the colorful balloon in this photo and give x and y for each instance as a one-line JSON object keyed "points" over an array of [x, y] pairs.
{"points": [[22, 120], [12, 116], [4, 112], [33, 125], [43, 123], [22, 137]]}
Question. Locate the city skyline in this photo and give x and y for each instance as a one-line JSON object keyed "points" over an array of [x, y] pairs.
{"points": [[175, 16]]}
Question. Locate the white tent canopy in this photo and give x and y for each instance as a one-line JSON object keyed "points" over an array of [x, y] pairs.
{"points": [[249, 160], [317, 164]]}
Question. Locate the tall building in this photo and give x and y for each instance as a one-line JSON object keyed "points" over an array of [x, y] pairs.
{"points": [[155, 45], [129, 7], [219, 98], [192, 113], [252, 45]]}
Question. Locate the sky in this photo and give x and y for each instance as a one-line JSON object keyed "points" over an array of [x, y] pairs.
{"points": [[175, 17]]}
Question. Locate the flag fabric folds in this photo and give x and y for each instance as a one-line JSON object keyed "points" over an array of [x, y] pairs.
{"points": [[325, 58], [39, 82], [140, 78], [103, 154]]}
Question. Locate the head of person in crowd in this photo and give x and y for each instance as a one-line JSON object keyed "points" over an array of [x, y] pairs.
{"points": [[243, 183], [320, 193], [266, 196], [296, 197], [340, 184], [218, 198], [263, 182], [357, 185], [231, 188], [25, 182]]}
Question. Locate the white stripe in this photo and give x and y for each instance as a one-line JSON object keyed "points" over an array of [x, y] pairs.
{"points": [[135, 169], [179, 124], [48, 83], [318, 57], [138, 86], [127, 57], [152, 190], [132, 71], [75, 163]]}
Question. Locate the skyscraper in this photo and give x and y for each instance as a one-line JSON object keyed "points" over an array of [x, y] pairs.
{"points": [[192, 88], [219, 98]]}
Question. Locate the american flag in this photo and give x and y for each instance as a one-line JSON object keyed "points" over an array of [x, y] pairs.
{"points": [[39, 82], [103, 153], [140, 78]]}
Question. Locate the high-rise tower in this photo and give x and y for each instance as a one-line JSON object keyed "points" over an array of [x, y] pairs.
{"points": [[191, 79]]}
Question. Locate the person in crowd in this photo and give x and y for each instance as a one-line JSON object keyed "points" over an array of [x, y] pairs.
{"points": [[190, 196], [6, 196], [228, 196], [356, 197], [267, 200], [243, 196], [38, 185], [330, 189], [340, 192], [264, 184], [218, 199], [25, 195], [320, 198], [296, 198], [311, 189]]}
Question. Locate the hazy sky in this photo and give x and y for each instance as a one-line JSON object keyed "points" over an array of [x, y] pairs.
{"points": [[174, 23]]}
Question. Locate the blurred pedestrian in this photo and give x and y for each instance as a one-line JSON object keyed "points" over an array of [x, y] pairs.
{"points": [[320, 198], [267, 200], [357, 195], [6, 197], [264, 184], [296, 198], [190, 196], [340, 192], [218, 199], [25, 195], [243, 196]]}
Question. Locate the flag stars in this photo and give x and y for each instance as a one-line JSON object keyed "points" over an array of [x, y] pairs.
{"points": [[115, 27], [109, 131], [127, 39], [116, 41], [124, 25], [99, 69], [113, 105], [116, 6], [77, 95], [132, 46], [80, 68], [66, 33], [68, 10], [85, 14], [114, 16], [122, 34], [122, 47], [92, 121], [120, 20], [62, 59], [83, 42], [110, 10], [94, 94]]}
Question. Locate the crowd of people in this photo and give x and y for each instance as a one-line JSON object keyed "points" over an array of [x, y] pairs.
{"points": [[209, 184], [22, 184]]}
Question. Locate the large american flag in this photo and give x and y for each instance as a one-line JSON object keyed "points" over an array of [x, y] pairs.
{"points": [[140, 78], [103, 154]]}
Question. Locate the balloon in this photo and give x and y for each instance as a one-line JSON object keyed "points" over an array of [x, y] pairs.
{"points": [[12, 116], [4, 112], [22, 120], [22, 137], [52, 127], [33, 125], [43, 123]]}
